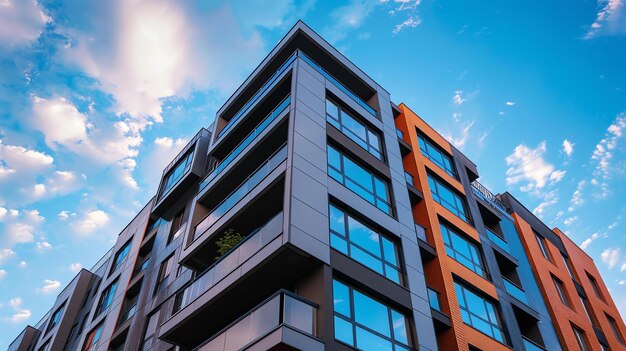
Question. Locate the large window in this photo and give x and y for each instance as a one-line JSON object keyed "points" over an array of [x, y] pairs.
{"points": [[580, 338], [106, 298], [149, 334], [177, 223], [365, 245], [164, 273], [435, 154], [543, 246], [175, 174], [479, 313], [56, 317], [463, 250], [356, 178], [367, 324], [355, 130], [595, 286], [448, 198], [615, 328], [560, 289], [93, 337], [121, 255]]}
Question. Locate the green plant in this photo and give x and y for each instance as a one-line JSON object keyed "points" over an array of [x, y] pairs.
{"points": [[226, 242]]}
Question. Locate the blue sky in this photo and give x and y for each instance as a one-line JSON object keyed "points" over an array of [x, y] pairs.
{"points": [[97, 96]]}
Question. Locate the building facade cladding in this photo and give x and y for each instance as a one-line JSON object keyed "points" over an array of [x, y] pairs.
{"points": [[341, 237]]}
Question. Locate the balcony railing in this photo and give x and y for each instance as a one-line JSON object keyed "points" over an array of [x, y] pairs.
{"points": [[483, 192], [284, 308], [335, 82], [246, 186], [514, 290], [270, 82], [409, 178], [498, 241], [254, 242], [530, 345], [247, 141], [433, 299]]}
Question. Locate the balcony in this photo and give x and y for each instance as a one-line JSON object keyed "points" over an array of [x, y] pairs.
{"points": [[414, 194], [482, 192], [514, 290], [496, 239], [441, 320], [405, 148], [284, 321], [427, 251]]}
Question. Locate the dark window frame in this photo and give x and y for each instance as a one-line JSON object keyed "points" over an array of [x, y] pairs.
{"points": [[55, 319], [581, 338], [175, 174], [121, 255], [497, 324], [479, 267], [425, 143], [458, 198], [543, 246], [561, 291], [106, 298]]}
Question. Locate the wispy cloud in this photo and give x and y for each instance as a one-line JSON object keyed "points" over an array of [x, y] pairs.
{"points": [[460, 140], [20, 314], [611, 256], [610, 19], [50, 286], [603, 155], [411, 22], [21, 22], [568, 147], [528, 166], [457, 98], [90, 221], [577, 197], [510, 103]]}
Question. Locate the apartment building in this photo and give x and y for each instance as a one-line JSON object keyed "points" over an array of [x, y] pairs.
{"points": [[315, 214]]}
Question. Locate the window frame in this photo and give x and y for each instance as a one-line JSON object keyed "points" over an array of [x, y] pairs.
{"points": [[447, 230], [177, 222], [498, 325], [366, 144], [341, 173], [93, 337], [397, 344], [117, 261], [594, 285], [459, 198], [581, 338], [614, 328], [55, 319], [561, 291], [543, 246], [425, 143], [108, 294], [165, 266], [185, 161], [346, 237]]}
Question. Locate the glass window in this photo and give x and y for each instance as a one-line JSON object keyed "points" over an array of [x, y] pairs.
{"points": [[595, 286], [164, 272], [479, 313], [569, 268], [353, 129], [615, 328], [448, 198], [435, 154], [359, 180], [177, 223], [560, 289], [367, 324], [121, 255], [463, 250], [106, 298], [365, 245], [149, 334], [93, 337], [175, 174], [580, 338], [56, 317], [543, 246]]}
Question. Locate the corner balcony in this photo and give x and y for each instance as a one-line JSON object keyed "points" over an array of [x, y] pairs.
{"points": [[284, 321]]}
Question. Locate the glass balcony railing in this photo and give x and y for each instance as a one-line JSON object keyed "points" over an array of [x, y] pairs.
{"points": [[530, 345], [247, 141], [336, 83], [409, 178], [246, 186], [514, 290], [433, 299], [270, 82], [498, 241], [284, 308], [253, 242], [486, 194]]}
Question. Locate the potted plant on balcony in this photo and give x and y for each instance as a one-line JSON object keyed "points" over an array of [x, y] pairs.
{"points": [[226, 242]]}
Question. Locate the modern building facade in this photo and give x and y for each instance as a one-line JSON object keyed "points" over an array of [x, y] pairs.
{"points": [[315, 214]]}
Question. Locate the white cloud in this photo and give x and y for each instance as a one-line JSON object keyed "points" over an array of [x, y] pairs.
{"points": [[348, 17], [50, 286], [610, 256], [623, 267], [5, 254], [63, 215], [90, 222], [75, 267], [20, 227], [510, 103], [568, 147], [604, 152], [548, 199], [21, 21], [411, 22], [457, 98], [43, 246], [459, 141], [3, 273], [528, 166], [21, 314], [621, 282], [577, 198], [22, 264], [570, 220], [610, 20], [159, 156], [61, 122]]}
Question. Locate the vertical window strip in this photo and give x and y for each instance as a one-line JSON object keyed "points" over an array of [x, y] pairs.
{"points": [[354, 129], [435, 154]]}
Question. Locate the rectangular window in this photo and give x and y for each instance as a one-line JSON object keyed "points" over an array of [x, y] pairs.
{"points": [[354, 129], [175, 174], [560, 289], [365, 245], [56, 317], [92, 338], [580, 338], [543, 246], [367, 324], [435, 154], [463, 250], [569, 268], [587, 310], [129, 308], [177, 224], [121, 255], [106, 298], [361, 181], [164, 272], [479, 313], [149, 335], [448, 198], [615, 328], [595, 286]]}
